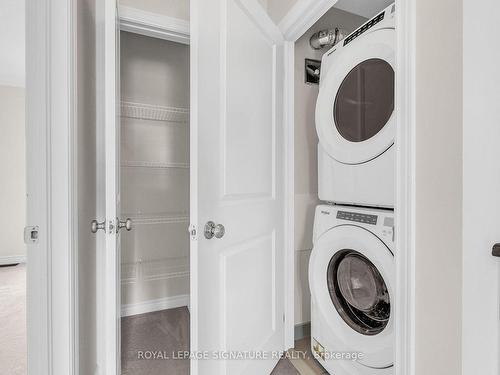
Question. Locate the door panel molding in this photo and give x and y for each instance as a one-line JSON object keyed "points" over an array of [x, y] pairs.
{"points": [[232, 190], [230, 255]]}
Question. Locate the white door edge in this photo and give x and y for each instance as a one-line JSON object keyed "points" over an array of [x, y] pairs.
{"points": [[405, 210], [193, 183], [107, 271], [289, 229]]}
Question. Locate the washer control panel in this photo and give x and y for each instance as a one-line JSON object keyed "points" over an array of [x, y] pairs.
{"points": [[357, 217], [378, 221]]}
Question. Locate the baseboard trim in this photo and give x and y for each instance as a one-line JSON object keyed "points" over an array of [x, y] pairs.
{"points": [[12, 259], [155, 305], [302, 330]]}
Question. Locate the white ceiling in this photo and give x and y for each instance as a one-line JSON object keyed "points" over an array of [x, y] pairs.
{"points": [[12, 43], [365, 8]]}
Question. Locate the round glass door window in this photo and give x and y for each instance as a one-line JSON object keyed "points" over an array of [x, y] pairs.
{"points": [[365, 100], [358, 292]]}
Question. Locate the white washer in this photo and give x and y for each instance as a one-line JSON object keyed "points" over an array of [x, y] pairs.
{"points": [[355, 118], [351, 277]]}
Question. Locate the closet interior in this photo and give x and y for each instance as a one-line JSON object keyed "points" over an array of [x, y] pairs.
{"points": [[154, 193]]}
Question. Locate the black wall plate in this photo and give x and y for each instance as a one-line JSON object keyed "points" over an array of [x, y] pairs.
{"points": [[312, 70]]}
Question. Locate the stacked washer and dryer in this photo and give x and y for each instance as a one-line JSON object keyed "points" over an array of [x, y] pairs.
{"points": [[351, 269]]}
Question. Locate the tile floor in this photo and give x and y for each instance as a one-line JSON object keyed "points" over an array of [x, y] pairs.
{"points": [[306, 365]]}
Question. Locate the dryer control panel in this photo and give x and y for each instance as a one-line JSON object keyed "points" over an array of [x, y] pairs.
{"points": [[364, 28]]}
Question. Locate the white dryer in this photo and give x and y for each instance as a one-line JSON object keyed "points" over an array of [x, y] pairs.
{"points": [[355, 118], [351, 277]]}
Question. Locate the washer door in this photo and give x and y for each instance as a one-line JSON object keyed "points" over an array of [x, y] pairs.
{"points": [[358, 292], [355, 117], [351, 275]]}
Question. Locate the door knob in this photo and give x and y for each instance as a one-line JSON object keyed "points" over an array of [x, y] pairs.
{"points": [[212, 229], [495, 251], [95, 226], [127, 224]]}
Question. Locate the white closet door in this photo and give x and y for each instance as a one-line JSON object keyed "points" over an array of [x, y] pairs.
{"points": [[237, 180]]}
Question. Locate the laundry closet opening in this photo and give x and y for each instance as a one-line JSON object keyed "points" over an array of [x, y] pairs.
{"points": [[154, 194], [344, 129]]}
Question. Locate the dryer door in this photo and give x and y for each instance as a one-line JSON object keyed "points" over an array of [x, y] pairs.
{"points": [[351, 276], [355, 117]]}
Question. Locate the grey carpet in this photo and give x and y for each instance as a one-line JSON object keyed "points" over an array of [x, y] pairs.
{"points": [[13, 320], [165, 331]]}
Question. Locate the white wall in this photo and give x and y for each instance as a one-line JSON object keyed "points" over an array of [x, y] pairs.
{"points": [[13, 172], [364, 8], [439, 187], [481, 174], [86, 181], [306, 160], [155, 254], [277, 9], [12, 40]]}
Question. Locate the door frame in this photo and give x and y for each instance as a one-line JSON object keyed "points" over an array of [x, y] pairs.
{"points": [[152, 25], [51, 97], [52, 262], [295, 23], [52, 279]]}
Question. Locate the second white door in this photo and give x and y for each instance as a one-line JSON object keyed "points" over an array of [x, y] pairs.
{"points": [[237, 280]]}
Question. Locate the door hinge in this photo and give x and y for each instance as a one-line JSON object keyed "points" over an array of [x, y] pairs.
{"points": [[193, 232], [31, 234]]}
